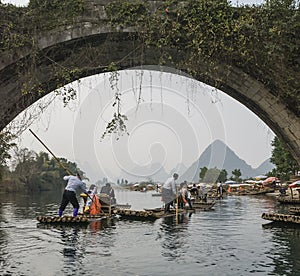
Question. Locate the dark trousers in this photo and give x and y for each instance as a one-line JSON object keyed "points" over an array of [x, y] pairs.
{"points": [[189, 202], [181, 203], [69, 196], [168, 198]]}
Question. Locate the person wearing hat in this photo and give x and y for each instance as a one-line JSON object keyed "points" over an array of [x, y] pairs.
{"points": [[74, 185], [169, 191], [108, 190]]}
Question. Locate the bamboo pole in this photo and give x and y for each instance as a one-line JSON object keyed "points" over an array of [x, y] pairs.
{"points": [[58, 161]]}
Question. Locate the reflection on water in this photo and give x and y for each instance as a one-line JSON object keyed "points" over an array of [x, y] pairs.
{"points": [[72, 252], [174, 237], [285, 248], [233, 234]]}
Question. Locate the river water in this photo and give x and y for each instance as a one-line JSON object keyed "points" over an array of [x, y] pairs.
{"points": [[232, 239]]}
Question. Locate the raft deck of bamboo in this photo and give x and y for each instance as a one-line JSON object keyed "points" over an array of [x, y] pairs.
{"points": [[294, 210], [149, 214], [80, 219], [287, 218], [203, 205], [288, 200]]}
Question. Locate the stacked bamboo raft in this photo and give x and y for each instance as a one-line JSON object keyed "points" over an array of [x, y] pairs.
{"points": [[292, 217], [81, 219], [64, 219], [197, 204], [288, 200], [122, 206], [132, 214], [148, 214], [294, 210], [281, 217]]}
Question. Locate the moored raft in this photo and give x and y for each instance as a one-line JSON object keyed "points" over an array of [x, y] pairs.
{"points": [[80, 219], [287, 218], [203, 205], [294, 210], [146, 214], [288, 200], [122, 206], [133, 214]]}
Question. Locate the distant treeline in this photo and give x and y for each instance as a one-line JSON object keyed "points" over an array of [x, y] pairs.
{"points": [[34, 172]]}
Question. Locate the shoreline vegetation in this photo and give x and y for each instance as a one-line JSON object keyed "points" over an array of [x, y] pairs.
{"points": [[29, 171], [34, 172]]}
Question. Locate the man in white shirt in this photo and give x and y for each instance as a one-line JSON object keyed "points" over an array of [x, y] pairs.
{"points": [[169, 191], [69, 195], [220, 189]]}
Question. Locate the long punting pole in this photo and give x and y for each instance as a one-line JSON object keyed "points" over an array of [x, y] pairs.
{"points": [[58, 161]]}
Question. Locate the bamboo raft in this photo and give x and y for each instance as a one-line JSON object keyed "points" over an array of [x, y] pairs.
{"points": [[132, 214], [122, 206], [287, 218], [146, 214], [80, 219], [203, 205], [288, 200], [294, 210], [86, 219]]}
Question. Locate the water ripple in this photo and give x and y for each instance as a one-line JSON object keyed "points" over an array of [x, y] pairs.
{"points": [[230, 240]]}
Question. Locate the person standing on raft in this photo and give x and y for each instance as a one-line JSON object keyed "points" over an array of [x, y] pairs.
{"points": [[169, 192], [74, 184]]}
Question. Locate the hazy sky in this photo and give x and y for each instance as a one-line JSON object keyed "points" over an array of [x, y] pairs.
{"points": [[175, 120]]}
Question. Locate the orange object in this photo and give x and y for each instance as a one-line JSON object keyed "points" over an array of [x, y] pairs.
{"points": [[95, 208]]}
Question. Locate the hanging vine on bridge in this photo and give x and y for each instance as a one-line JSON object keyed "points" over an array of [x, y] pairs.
{"points": [[262, 41]]}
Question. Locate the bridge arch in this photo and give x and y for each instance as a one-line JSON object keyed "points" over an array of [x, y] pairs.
{"points": [[93, 48]]}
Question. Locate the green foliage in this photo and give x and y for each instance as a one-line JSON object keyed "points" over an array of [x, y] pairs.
{"points": [[236, 175], [285, 164], [52, 13], [19, 27], [5, 145], [63, 76], [117, 124], [202, 173], [128, 13], [223, 176], [213, 175], [19, 24], [37, 172], [262, 40]]}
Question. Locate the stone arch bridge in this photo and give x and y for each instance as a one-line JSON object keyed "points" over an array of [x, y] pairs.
{"points": [[76, 46]]}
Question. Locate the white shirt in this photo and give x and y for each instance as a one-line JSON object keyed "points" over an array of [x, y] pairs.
{"points": [[91, 196], [184, 192], [170, 184], [74, 183]]}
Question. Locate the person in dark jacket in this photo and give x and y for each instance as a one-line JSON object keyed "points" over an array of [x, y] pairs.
{"points": [[108, 190]]}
